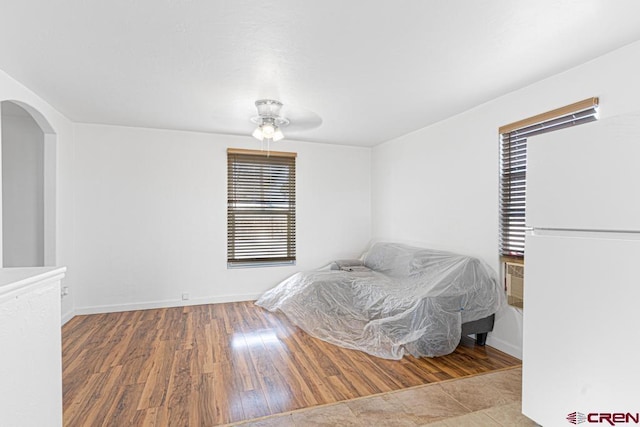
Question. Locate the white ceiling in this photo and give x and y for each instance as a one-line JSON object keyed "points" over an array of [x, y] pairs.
{"points": [[372, 70]]}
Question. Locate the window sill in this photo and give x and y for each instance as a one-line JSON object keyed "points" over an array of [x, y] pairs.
{"points": [[237, 265]]}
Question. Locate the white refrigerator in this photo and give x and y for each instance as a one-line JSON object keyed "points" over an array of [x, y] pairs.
{"points": [[581, 338]]}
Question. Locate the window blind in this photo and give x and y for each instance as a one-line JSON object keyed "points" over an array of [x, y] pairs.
{"points": [[513, 167], [261, 207]]}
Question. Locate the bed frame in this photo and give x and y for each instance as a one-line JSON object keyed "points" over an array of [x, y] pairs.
{"points": [[480, 327]]}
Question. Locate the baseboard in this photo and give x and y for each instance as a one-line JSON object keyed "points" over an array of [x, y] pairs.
{"points": [[114, 308], [504, 346], [68, 316]]}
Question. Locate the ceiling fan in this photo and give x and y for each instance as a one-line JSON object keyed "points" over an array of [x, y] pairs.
{"points": [[272, 118], [266, 119], [269, 120]]}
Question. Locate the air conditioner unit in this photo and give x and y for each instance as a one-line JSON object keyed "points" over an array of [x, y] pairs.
{"points": [[514, 278]]}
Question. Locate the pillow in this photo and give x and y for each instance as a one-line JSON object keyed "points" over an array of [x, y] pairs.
{"points": [[342, 263]]}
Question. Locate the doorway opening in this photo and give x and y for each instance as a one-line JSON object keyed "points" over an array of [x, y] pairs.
{"points": [[28, 150]]}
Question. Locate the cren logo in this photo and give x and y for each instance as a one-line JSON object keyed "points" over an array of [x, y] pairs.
{"points": [[609, 418], [576, 418]]}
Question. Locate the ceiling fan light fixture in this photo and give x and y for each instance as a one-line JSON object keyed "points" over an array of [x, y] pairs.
{"points": [[278, 135], [268, 129], [257, 134], [269, 120]]}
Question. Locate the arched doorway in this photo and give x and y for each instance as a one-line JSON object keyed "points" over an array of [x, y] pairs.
{"points": [[28, 153]]}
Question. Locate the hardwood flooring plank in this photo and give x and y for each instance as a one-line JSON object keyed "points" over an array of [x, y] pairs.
{"points": [[240, 363], [357, 378], [75, 373], [93, 413], [179, 389], [423, 371], [342, 388], [277, 392], [224, 316], [227, 392], [254, 404], [152, 417], [156, 384], [220, 340], [202, 411], [72, 408], [382, 379], [122, 409], [283, 370], [87, 408], [317, 385], [315, 351], [117, 348], [293, 375], [187, 338], [203, 347]]}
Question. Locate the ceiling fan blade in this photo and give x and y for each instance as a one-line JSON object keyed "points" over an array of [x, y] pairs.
{"points": [[300, 119]]}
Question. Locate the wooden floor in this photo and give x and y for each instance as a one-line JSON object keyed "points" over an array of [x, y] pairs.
{"points": [[215, 364]]}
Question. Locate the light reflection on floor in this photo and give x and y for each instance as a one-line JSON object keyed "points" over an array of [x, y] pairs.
{"points": [[240, 341], [255, 342]]}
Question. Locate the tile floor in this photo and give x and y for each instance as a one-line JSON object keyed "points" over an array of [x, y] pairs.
{"points": [[484, 400]]}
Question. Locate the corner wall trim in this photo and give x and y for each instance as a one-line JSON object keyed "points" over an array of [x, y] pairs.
{"points": [[504, 346], [67, 316]]}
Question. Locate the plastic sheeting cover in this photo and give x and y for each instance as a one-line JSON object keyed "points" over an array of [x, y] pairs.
{"points": [[413, 300]]}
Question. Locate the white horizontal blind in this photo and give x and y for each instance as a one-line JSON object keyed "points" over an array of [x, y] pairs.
{"points": [[513, 171], [261, 207]]}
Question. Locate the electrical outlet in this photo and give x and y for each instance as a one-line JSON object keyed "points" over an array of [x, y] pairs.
{"points": [[64, 291], [185, 296]]}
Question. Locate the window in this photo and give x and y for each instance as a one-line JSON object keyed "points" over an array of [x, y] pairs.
{"points": [[261, 207], [513, 167]]}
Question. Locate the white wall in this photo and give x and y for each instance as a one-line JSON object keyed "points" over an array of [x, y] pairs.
{"points": [[62, 130], [439, 186], [22, 190], [151, 216]]}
